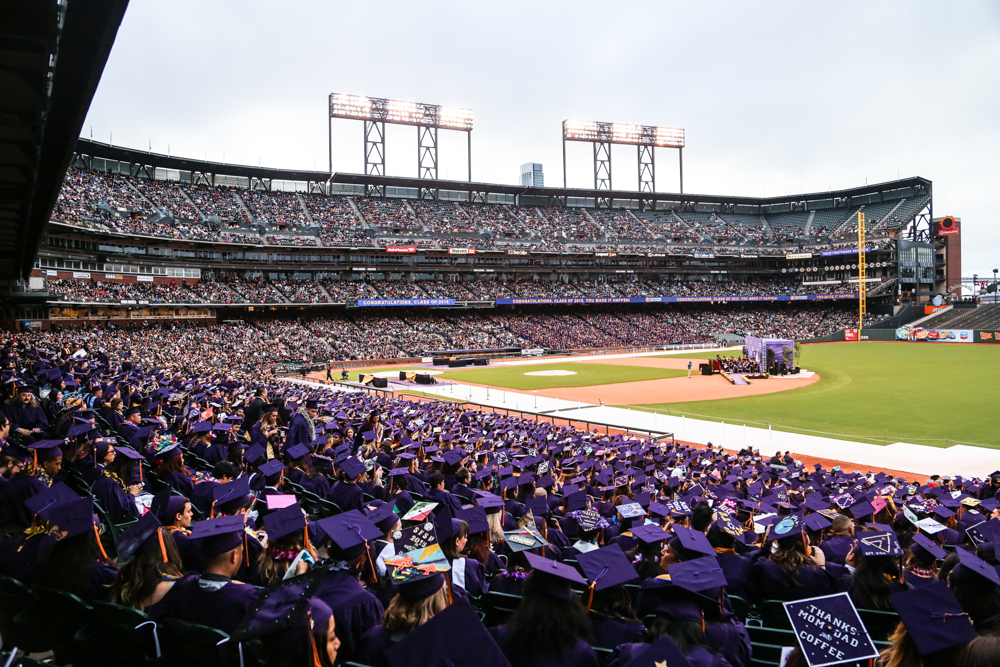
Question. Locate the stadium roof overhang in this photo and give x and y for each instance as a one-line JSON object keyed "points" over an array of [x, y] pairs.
{"points": [[52, 56], [586, 193], [89, 148]]}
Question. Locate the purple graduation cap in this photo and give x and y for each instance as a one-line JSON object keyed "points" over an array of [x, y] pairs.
{"points": [[284, 522], [352, 467], [607, 567], [285, 616], [933, 618], [57, 494], [218, 536], [454, 637], [693, 542], [349, 532], [551, 577]]}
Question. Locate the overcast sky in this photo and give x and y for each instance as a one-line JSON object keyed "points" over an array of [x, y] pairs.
{"points": [[776, 97]]}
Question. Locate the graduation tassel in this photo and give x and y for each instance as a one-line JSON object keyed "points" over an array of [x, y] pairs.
{"points": [[312, 641], [163, 547], [305, 531], [100, 546], [246, 554], [590, 594]]}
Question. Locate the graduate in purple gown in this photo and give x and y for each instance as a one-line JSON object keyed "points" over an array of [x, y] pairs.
{"points": [[212, 597], [346, 493], [609, 608], [119, 484], [795, 570], [550, 626], [42, 468], [355, 608]]}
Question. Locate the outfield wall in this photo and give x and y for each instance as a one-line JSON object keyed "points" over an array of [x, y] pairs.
{"points": [[850, 335]]}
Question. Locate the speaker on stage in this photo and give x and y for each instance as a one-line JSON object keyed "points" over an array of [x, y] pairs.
{"points": [[381, 383]]}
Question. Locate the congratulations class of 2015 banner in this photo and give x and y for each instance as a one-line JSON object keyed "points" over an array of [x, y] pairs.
{"points": [[560, 300]]}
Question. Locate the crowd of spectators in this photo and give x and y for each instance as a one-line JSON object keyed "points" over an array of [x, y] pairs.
{"points": [[388, 214], [220, 201], [277, 207], [166, 197], [301, 291], [290, 240]]}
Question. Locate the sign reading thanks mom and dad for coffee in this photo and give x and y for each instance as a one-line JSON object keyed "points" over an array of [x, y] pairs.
{"points": [[830, 631]]}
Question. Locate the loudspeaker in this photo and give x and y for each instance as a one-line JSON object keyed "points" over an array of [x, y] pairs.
{"points": [[381, 383], [481, 362], [424, 378], [458, 363], [440, 361]]}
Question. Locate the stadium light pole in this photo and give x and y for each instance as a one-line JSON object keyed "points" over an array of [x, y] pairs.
{"points": [[375, 112], [602, 135]]}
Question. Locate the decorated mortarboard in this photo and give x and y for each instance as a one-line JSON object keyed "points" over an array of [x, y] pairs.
{"points": [[69, 519], [524, 538], [631, 511], [879, 544], [933, 618], [57, 494], [272, 467], [588, 520], [552, 577], [284, 522], [729, 525], [830, 631], [277, 501], [676, 508], [420, 511], [201, 427], [607, 567], [285, 616], [971, 565], [415, 581], [781, 528]]}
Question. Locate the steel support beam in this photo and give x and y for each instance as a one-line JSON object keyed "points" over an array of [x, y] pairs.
{"points": [[374, 155], [427, 159], [647, 175]]}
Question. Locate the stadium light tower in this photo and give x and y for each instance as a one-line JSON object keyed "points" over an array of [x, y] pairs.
{"points": [[862, 271], [646, 138], [427, 118]]}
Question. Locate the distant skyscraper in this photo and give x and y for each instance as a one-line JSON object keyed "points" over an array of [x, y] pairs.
{"points": [[532, 176]]}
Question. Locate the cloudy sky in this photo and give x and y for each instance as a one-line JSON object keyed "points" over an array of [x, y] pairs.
{"points": [[776, 97]]}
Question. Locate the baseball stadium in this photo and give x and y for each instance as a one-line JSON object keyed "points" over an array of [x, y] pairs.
{"points": [[258, 415]]}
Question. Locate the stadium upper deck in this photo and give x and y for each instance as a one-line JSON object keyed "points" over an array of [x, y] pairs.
{"points": [[135, 193]]}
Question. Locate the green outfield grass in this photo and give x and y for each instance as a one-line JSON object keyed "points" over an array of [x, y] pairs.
{"points": [[923, 393], [513, 377]]}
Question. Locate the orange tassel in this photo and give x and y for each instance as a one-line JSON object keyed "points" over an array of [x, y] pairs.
{"points": [[211, 511], [140, 474], [246, 552], [590, 595], [447, 581], [163, 547], [100, 546], [312, 641]]}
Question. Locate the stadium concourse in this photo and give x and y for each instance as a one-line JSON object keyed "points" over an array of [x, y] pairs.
{"points": [[255, 518]]}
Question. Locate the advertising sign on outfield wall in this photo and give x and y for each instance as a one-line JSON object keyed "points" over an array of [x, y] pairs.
{"points": [[921, 335]]}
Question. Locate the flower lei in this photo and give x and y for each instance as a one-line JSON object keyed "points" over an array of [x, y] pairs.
{"points": [[282, 554], [115, 477]]}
